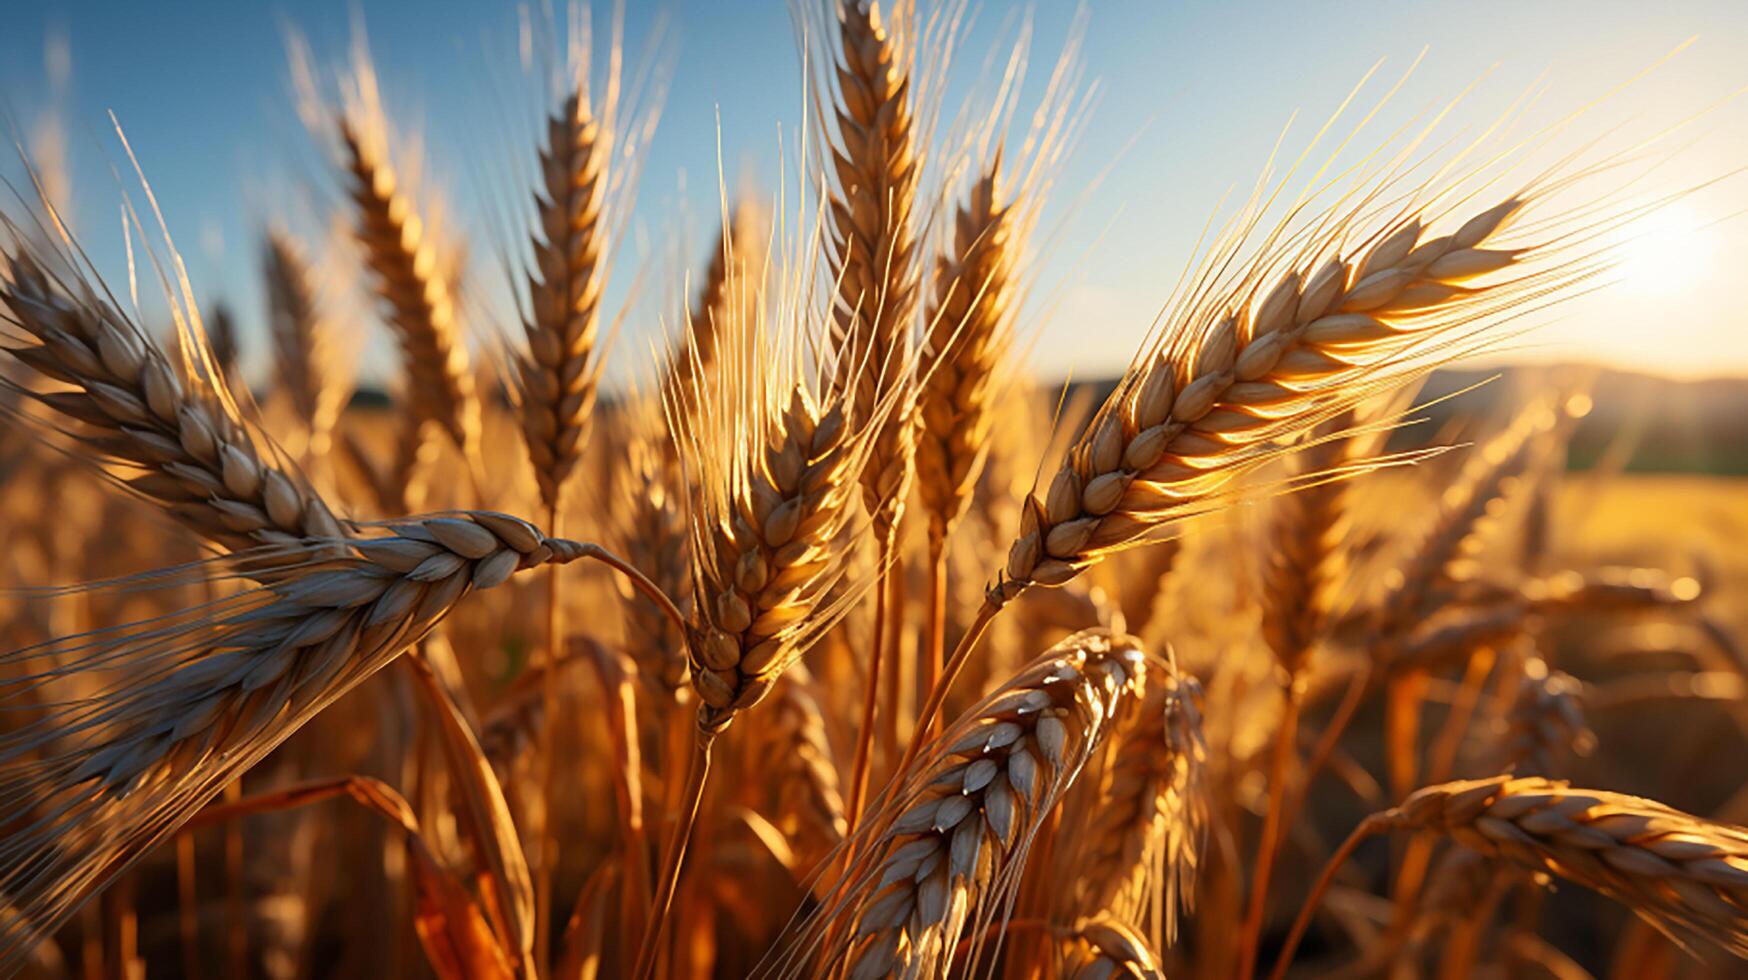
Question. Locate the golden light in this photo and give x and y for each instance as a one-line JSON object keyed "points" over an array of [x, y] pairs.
{"points": [[1667, 252]]}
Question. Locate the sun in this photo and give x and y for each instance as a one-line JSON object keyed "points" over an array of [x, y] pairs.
{"points": [[1667, 252]]}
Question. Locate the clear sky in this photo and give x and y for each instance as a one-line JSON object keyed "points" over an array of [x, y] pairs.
{"points": [[1193, 98]]}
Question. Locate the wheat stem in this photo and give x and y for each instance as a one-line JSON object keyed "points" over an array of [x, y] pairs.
{"points": [[674, 851], [1281, 757], [546, 841], [863, 759], [931, 709], [935, 639], [1373, 824]]}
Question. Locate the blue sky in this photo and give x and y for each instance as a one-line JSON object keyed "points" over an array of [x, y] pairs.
{"points": [[1193, 98]]}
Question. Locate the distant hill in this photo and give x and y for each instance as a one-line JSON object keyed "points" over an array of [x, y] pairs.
{"points": [[1660, 425]]}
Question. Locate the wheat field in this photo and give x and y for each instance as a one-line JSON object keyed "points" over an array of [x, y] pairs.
{"points": [[838, 641]]}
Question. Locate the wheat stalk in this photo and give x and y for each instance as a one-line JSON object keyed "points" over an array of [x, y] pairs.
{"points": [[872, 255], [775, 465], [1301, 570], [947, 848]]}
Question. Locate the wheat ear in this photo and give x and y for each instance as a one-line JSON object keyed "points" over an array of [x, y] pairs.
{"points": [[415, 290], [775, 469], [969, 332], [559, 372], [794, 758], [1103, 949], [873, 242], [1239, 367], [1254, 368], [1149, 822], [1547, 721], [221, 336], [728, 296], [1301, 570], [179, 429], [1493, 472], [944, 854], [1685, 875], [301, 341], [872, 251], [653, 534]]}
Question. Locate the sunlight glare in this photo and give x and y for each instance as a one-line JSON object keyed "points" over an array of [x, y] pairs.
{"points": [[1667, 252]]}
